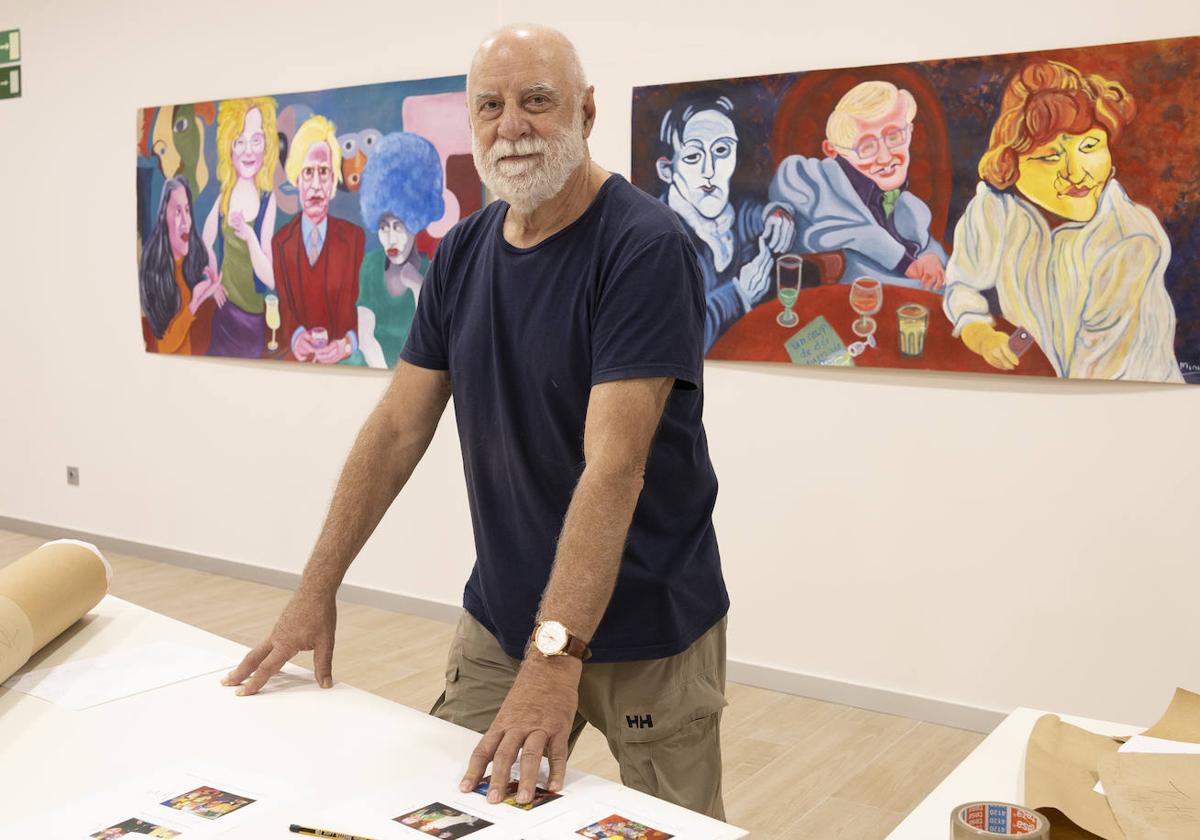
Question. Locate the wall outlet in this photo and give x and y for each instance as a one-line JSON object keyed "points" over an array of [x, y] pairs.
{"points": [[73, 476]]}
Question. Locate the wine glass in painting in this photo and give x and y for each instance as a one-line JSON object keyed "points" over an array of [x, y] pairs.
{"points": [[271, 302], [787, 286], [866, 298]]}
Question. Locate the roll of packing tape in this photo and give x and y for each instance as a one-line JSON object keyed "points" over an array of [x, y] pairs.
{"points": [[997, 820]]}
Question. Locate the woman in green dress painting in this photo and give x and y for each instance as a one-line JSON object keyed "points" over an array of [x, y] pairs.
{"points": [[401, 195]]}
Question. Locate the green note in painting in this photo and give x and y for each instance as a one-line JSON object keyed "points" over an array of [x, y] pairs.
{"points": [[10, 46], [817, 343], [10, 82]]}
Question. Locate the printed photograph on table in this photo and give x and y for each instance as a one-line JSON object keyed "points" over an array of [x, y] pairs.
{"points": [[298, 227], [540, 795], [208, 802], [616, 827], [1031, 213], [439, 820], [133, 827]]}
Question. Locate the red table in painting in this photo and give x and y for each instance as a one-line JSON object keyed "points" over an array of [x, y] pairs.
{"points": [[758, 338]]}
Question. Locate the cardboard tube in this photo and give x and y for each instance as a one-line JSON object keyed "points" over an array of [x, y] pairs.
{"points": [[43, 594]]}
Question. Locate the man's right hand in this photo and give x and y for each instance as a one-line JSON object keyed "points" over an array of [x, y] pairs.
{"points": [[302, 347], [928, 269], [307, 623]]}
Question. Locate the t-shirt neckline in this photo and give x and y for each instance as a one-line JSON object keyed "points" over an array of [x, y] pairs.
{"points": [[591, 208]]}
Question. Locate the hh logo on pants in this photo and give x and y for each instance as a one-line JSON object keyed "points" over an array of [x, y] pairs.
{"points": [[636, 722]]}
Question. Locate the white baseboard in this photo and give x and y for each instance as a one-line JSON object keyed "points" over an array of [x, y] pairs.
{"points": [[915, 706]]}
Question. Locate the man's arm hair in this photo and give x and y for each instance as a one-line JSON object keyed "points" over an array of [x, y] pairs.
{"points": [[622, 419], [387, 450]]}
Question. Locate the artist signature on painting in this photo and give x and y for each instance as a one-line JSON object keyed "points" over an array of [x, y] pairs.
{"points": [[1189, 367]]}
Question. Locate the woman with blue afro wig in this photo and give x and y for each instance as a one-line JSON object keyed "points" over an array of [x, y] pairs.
{"points": [[401, 195]]}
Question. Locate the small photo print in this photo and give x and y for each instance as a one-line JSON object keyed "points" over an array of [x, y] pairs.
{"points": [[617, 827], [540, 795], [208, 802], [136, 827], [442, 821]]}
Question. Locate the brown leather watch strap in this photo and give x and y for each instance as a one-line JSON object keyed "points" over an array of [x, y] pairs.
{"points": [[578, 648]]}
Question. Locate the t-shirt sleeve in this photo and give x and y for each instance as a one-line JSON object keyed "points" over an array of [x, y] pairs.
{"points": [[649, 320], [426, 345]]}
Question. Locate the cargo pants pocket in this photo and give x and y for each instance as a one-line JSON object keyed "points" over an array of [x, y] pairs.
{"points": [[670, 747]]}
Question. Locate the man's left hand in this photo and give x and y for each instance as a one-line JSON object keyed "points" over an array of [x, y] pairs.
{"points": [[535, 719], [334, 352]]}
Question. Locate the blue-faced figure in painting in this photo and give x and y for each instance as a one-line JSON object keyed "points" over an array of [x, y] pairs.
{"points": [[400, 195], [856, 198], [736, 237]]}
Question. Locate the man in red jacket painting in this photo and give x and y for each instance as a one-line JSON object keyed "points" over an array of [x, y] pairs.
{"points": [[317, 256]]}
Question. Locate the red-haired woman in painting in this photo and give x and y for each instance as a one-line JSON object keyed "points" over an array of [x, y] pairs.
{"points": [[1072, 258]]}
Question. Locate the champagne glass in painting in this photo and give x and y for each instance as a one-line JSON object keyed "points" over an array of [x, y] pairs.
{"points": [[866, 298], [272, 314], [787, 285]]}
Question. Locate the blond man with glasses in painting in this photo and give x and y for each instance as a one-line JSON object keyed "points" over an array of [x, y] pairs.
{"points": [[856, 199]]}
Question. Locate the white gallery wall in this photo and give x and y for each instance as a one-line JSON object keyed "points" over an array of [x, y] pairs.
{"points": [[985, 541]]}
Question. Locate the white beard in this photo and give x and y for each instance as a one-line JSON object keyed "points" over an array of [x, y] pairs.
{"points": [[528, 185]]}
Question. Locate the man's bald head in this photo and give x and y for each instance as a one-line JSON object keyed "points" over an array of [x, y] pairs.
{"points": [[534, 47]]}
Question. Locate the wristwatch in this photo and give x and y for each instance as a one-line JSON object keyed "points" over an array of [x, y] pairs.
{"points": [[552, 638]]}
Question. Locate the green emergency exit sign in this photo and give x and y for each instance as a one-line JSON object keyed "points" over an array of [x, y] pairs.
{"points": [[10, 82], [10, 46]]}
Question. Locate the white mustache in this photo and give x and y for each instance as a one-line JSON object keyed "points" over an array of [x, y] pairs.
{"points": [[522, 146]]}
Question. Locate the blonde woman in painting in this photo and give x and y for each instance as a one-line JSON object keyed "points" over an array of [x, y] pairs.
{"points": [[239, 228], [1072, 258]]}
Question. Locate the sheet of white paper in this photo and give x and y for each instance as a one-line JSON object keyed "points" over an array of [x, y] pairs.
{"points": [[1143, 744], [193, 802], [443, 813], [599, 820], [90, 681]]}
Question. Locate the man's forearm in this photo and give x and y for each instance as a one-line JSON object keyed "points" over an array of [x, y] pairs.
{"points": [[590, 550], [387, 450]]}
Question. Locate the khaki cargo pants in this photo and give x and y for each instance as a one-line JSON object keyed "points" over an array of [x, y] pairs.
{"points": [[662, 717]]}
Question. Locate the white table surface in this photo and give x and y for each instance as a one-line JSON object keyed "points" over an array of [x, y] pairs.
{"points": [[995, 770], [338, 743]]}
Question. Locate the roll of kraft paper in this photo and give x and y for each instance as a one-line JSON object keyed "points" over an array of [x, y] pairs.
{"points": [[997, 820], [43, 594]]}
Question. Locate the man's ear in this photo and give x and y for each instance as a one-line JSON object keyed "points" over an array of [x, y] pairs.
{"points": [[828, 148], [589, 111], [663, 167]]}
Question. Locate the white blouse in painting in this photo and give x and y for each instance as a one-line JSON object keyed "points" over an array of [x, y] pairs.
{"points": [[1090, 293]]}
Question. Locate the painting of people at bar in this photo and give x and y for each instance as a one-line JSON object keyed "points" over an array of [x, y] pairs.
{"points": [[298, 227], [1032, 213]]}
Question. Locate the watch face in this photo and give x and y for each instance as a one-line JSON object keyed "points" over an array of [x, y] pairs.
{"points": [[551, 637]]}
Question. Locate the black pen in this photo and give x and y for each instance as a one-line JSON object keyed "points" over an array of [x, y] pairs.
{"points": [[321, 832]]}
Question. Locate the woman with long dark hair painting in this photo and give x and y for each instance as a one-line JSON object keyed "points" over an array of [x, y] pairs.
{"points": [[175, 276]]}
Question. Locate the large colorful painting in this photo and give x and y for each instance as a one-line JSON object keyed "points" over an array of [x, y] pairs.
{"points": [[1030, 213], [298, 227]]}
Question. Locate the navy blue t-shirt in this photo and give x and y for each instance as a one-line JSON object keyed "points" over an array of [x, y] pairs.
{"points": [[525, 333]]}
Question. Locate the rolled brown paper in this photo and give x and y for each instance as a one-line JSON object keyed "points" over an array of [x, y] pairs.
{"points": [[43, 594]]}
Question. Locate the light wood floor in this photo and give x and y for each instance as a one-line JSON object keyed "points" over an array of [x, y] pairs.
{"points": [[794, 768]]}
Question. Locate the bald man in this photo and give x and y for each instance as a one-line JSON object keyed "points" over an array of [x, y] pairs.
{"points": [[567, 320]]}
